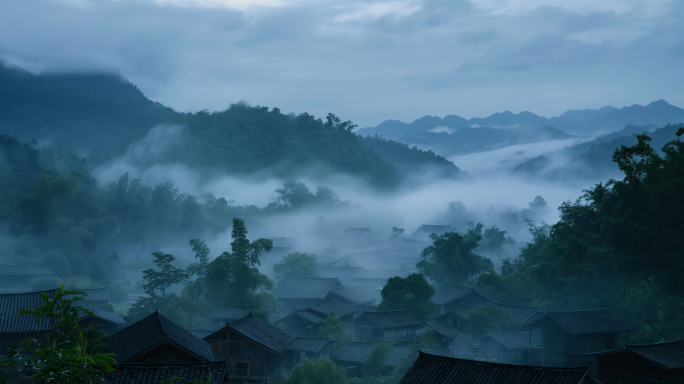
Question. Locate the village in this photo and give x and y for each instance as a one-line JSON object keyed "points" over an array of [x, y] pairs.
{"points": [[243, 346]]}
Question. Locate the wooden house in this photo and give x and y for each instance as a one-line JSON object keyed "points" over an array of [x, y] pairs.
{"points": [[229, 313], [509, 347], [449, 370], [451, 342], [306, 322], [566, 336], [313, 348], [394, 325], [155, 373], [103, 320], [425, 230], [661, 363], [450, 296], [351, 357], [14, 275], [156, 339], [459, 318], [295, 293]]}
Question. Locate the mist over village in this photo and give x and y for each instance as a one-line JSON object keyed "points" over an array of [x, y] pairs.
{"points": [[363, 192]]}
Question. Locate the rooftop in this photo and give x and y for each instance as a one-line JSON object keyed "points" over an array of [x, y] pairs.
{"points": [[156, 373], [669, 355], [353, 295], [357, 352], [105, 315], [261, 332], [152, 331], [448, 370], [231, 312], [308, 344], [389, 319], [448, 293], [305, 287], [12, 303], [514, 340], [520, 312], [26, 270], [338, 308], [583, 322]]}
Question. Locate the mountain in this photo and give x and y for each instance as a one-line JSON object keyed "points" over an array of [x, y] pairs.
{"points": [[545, 133], [104, 117], [658, 112]]}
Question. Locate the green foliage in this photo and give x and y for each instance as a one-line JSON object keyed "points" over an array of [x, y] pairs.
{"points": [[296, 196], [396, 232], [617, 245], [375, 362], [60, 358], [450, 259], [156, 284], [321, 371], [490, 318], [412, 293], [296, 264], [333, 328]]}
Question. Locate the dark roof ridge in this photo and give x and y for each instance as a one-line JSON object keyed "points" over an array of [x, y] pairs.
{"points": [[652, 344], [515, 305], [583, 367], [232, 322], [28, 293], [216, 362], [156, 311]]}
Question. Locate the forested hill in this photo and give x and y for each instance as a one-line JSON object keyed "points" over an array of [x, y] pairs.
{"points": [[103, 115]]}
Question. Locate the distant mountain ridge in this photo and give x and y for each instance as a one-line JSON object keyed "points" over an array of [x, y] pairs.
{"points": [[581, 122]]}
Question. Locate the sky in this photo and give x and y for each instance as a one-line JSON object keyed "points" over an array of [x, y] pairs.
{"points": [[365, 61]]}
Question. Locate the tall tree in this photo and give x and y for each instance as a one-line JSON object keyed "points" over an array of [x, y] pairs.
{"points": [[296, 264], [412, 293]]}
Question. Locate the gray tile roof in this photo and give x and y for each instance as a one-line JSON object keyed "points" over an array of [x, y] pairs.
{"points": [[338, 308], [584, 322], [446, 332], [514, 340], [25, 270], [152, 331], [312, 318], [261, 332], [105, 315], [447, 370], [448, 293], [520, 312], [231, 312], [12, 303], [305, 287], [357, 353], [339, 272], [389, 319], [309, 344], [353, 295], [668, 355], [156, 373], [384, 275]]}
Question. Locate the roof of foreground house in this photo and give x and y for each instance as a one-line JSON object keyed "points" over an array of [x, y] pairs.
{"points": [[448, 370], [669, 355], [155, 373], [151, 332], [12, 303]]}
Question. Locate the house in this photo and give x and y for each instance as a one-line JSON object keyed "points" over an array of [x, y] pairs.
{"points": [[520, 312], [352, 357], [425, 230], [459, 318], [306, 322], [155, 373], [452, 342], [13, 275], [295, 293], [645, 363], [509, 347], [156, 339], [103, 320], [566, 336], [449, 370], [313, 348], [450, 296], [378, 258], [229, 313], [395, 325], [254, 350]]}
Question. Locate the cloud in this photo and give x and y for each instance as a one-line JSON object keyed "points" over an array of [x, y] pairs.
{"points": [[365, 61]]}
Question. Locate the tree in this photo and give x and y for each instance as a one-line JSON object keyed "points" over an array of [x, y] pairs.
{"points": [[396, 232], [450, 258], [157, 283], [334, 328], [412, 293], [56, 358], [490, 318], [637, 161], [321, 371], [376, 362], [234, 277], [296, 264]]}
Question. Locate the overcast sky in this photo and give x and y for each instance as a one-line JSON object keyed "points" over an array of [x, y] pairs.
{"points": [[367, 61]]}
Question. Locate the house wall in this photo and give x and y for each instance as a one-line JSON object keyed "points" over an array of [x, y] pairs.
{"points": [[364, 330], [561, 349], [245, 359], [399, 334]]}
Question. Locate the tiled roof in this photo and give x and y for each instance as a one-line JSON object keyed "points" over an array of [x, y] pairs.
{"points": [[123, 276], [308, 344], [338, 308], [25, 270], [536, 316], [231, 312], [12, 303], [353, 295], [156, 373], [389, 319], [151, 332], [312, 318], [447, 332], [447, 370], [514, 340], [339, 272], [357, 352], [448, 293], [427, 230], [584, 322], [261, 332], [520, 312], [383, 274], [357, 232], [100, 294], [669, 355], [305, 287], [105, 315]]}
